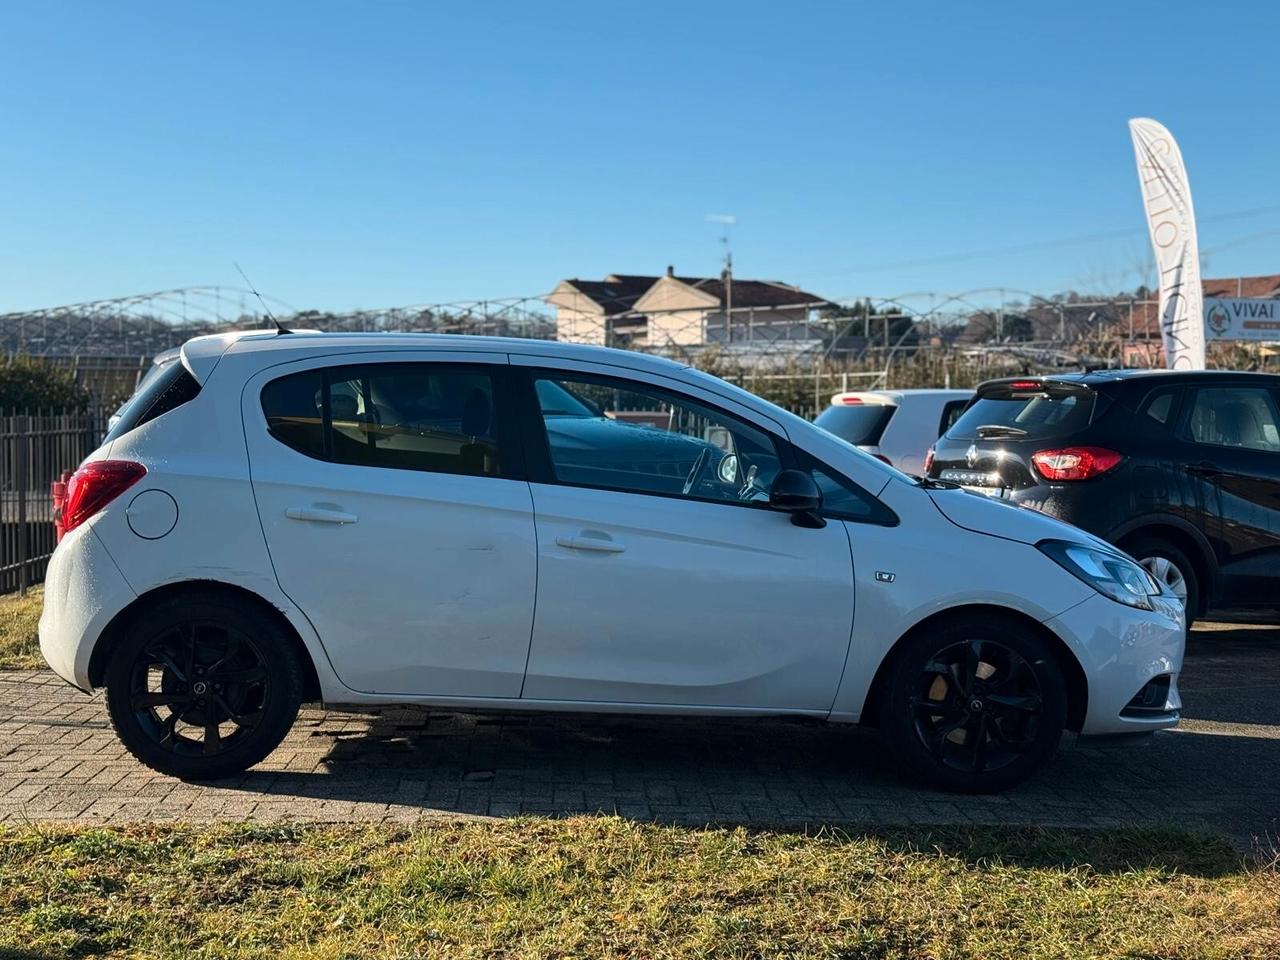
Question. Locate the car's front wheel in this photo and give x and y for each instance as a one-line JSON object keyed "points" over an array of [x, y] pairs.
{"points": [[203, 686], [973, 705]]}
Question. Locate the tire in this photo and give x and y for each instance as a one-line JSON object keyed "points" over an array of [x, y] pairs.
{"points": [[1170, 565], [970, 678], [208, 663]]}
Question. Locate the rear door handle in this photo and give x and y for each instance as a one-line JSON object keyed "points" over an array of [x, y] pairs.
{"points": [[600, 543], [320, 515]]}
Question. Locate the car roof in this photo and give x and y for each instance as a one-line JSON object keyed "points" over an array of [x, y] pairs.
{"points": [[201, 354]]}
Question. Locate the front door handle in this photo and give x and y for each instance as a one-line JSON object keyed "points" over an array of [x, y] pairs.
{"points": [[318, 514], [591, 540]]}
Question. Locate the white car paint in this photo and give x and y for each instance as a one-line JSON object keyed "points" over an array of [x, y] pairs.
{"points": [[912, 428], [443, 587]]}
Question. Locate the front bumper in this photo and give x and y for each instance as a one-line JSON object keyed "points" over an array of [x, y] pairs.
{"points": [[1122, 649], [83, 590]]}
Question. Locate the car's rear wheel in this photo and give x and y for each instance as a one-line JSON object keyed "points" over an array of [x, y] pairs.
{"points": [[1172, 567], [203, 686], [975, 705]]}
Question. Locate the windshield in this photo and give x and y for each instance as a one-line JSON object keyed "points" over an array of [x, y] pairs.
{"points": [[860, 424], [1037, 418]]}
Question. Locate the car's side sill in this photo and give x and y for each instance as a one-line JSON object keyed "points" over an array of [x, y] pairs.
{"points": [[482, 704]]}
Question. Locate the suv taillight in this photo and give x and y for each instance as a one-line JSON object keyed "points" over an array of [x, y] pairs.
{"points": [[95, 485], [1074, 463], [928, 461]]}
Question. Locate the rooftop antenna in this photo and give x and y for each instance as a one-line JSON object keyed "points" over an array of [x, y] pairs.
{"points": [[280, 327], [726, 220]]}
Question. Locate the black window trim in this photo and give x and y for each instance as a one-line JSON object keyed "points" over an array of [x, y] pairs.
{"points": [[511, 453], [537, 448]]}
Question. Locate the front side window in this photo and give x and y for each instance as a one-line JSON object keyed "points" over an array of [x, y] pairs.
{"points": [[621, 435], [1235, 417], [407, 416]]}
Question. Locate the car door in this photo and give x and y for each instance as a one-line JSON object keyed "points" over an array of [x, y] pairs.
{"points": [[1233, 434], [663, 577], [397, 518]]}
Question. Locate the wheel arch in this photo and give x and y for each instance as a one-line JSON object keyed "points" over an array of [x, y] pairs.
{"points": [[1072, 672], [114, 631], [1185, 537]]}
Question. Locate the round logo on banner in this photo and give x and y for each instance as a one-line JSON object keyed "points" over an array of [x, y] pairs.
{"points": [[1218, 320]]}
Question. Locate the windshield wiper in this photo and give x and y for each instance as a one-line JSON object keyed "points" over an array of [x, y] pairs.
{"points": [[989, 430]]}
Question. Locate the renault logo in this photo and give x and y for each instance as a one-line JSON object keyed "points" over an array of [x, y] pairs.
{"points": [[971, 455]]}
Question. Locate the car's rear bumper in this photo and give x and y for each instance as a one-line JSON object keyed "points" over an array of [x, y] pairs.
{"points": [[83, 590], [1122, 649]]}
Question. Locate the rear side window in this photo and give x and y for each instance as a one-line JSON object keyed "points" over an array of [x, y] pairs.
{"points": [[166, 390], [950, 414], [861, 424], [438, 418], [1235, 417], [1038, 418]]}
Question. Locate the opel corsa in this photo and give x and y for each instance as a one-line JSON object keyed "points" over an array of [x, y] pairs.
{"points": [[477, 523]]}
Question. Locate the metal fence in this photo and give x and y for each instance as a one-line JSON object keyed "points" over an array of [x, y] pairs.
{"points": [[34, 451]]}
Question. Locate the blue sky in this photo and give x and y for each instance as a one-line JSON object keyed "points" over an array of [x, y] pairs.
{"points": [[372, 154]]}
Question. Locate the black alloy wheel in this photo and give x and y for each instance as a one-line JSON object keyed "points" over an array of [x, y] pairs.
{"points": [[977, 706], [203, 686], [973, 706]]}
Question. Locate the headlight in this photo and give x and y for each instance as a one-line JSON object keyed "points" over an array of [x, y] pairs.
{"points": [[1110, 574]]}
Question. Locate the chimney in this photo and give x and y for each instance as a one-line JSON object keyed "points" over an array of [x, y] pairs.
{"points": [[671, 271]]}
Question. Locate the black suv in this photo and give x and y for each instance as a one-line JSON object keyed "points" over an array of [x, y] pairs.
{"points": [[1179, 469]]}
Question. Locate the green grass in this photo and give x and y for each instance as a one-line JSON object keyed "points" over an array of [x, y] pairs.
{"points": [[19, 646], [610, 888]]}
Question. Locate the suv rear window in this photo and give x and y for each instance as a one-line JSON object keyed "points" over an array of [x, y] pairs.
{"points": [[1036, 417], [861, 424], [160, 392]]}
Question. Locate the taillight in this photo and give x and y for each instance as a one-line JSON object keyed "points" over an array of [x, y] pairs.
{"points": [[95, 485], [928, 461], [1074, 463]]}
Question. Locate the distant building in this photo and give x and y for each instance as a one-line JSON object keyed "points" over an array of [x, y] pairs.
{"points": [[682, 311]]}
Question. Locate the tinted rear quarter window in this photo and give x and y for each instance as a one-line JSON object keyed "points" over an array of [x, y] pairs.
{"points": [[438, 418], [167, 390], [860, 424]]}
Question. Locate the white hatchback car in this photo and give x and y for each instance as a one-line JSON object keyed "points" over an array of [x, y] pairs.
{"points": [[899, 427], [513, 524]]}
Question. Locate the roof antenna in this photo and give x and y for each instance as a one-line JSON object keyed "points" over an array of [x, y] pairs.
{"points": [[280, 327]]}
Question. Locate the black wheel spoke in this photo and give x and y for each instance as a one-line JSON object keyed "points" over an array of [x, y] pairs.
{"points": [[233, 647], [246, 675], [942, 709], [246, 721], [144, 701], [979, 738], [1023, 704], [212, 735], [162, 656], [169, 726]]}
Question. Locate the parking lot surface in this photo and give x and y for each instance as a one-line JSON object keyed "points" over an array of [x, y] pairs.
{"points": [[59, 760]]}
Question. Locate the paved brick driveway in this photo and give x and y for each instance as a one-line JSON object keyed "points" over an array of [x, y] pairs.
{"points": [[59, 760]]}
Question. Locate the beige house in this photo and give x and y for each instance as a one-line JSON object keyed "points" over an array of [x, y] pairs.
{"points": [[680, 311]]}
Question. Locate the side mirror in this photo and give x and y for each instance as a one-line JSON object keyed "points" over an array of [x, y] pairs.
{"points": [[796, 493]]}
